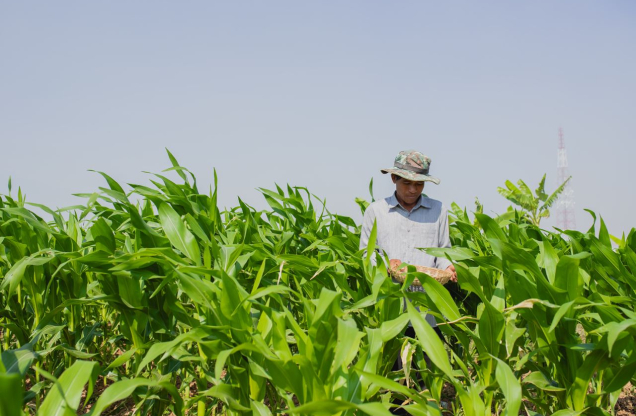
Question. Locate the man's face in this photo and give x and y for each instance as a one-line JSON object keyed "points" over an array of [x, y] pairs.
{"points": [[407, 190]]}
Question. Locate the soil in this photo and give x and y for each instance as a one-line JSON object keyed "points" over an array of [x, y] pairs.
{"points": [[121, 408], [626, 404], [447, 397]]}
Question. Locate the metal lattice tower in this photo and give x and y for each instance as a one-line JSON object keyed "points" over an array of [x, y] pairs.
{"points": [[565, 204]]}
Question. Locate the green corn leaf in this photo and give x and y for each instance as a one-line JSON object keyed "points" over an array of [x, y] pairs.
{"points": [[31, 219], [18, 361], [223, 356], [130, 289], [178, 234], [391, 385], [233, 297], [470, 397], [371, 244], [175, 164], [615, 329], [103, 236], [259, 276], [561, 312], [123, 389], [391, 329], [541, 381], [224, 393], [327, 302], [429, 341], [199, 290], [491, 228], [455, 253], [196, 228], [369, 364], [512, 334], [491, 328], [621, 377], [66, 392], [347, 345], [160, 348], [14, 276], [579, 388], [469, 281], [331, 407], [76, 353], [568, 412], [115, 188], [548, 260], [261, 293], [259, 409], [567, 276], [122, 359], [11, 393], [440, 296], [509, 385], [603, 234]]}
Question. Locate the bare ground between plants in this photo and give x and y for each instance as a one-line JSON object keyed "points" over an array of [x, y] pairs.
{"points": [[625, 406]]}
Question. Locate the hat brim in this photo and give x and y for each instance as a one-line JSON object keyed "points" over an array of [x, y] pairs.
{"points": [[412, 176]]}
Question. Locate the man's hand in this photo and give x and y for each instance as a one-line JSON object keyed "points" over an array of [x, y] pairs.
{"points": [[393, 264], [451, 269]]}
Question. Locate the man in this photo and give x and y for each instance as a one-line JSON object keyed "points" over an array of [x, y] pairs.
{"points": [[408, 220]]}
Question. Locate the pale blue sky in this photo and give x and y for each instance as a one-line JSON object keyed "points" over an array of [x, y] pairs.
{"points": [[321, 94]]}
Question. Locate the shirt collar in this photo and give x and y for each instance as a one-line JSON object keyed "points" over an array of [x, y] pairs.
{"points": [[421, 202]]}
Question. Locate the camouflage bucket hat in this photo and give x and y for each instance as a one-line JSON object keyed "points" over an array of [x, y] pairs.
{"points": [[412, 165]]}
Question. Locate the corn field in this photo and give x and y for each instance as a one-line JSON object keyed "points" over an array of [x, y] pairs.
{"points": [[154, 301]]}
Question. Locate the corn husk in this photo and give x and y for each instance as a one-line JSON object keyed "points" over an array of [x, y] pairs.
{"points": [[440, 275]]}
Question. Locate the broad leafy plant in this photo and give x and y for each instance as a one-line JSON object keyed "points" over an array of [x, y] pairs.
{"points": [[536, 205]]}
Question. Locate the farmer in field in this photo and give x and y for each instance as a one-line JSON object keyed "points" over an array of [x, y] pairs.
{"points": [[408, 220]]}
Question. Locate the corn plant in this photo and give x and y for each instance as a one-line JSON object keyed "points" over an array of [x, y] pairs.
{"points": [[156, 299]]}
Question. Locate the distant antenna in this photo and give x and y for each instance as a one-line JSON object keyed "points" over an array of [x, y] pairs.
{"points": [[565, 203]]}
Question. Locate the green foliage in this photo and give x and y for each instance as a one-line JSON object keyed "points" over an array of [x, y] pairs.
{"points": [[536, 205], [155, 298]]}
